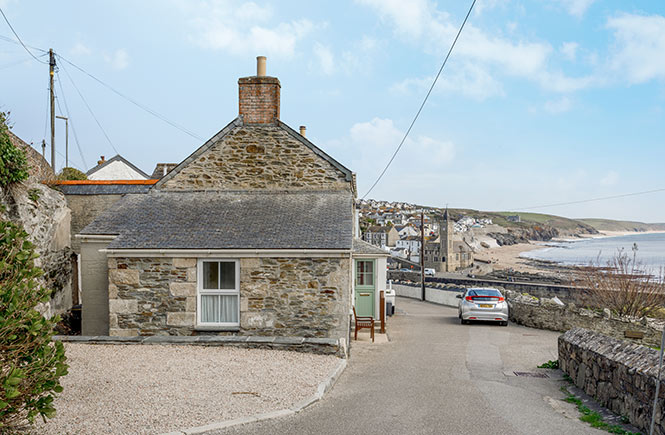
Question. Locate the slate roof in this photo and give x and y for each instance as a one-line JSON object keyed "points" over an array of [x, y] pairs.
{"points": [[361, 247], [229, 220], [119, 158], [103, 189]]}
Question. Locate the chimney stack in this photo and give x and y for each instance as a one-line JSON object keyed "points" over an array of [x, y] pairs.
{"points": [[303, 130], [259, 96]]}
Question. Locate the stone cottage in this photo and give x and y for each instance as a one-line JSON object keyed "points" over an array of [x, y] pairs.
{"points": [[252, 234]]}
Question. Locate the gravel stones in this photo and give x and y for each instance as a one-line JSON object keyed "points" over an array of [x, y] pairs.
{"points": [[134, 389]]}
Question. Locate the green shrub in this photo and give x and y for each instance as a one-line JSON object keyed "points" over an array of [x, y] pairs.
{"points": [[71, 174], [30, 363], [13, 163]]}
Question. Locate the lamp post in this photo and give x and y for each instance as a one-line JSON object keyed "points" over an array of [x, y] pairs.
{"points": [[66, 140]]}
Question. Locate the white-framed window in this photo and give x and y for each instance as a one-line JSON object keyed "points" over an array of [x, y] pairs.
{"points": [[218, 292]]}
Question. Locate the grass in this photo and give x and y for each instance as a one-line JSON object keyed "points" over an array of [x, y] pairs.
{"points": [[550, 365], [595, 419]]}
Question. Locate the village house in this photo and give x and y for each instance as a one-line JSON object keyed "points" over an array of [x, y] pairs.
{"points": [[252, 234], [116, 168], [381, 236]]}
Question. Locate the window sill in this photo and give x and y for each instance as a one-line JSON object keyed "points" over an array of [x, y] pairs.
{"points": [[217, 328]]}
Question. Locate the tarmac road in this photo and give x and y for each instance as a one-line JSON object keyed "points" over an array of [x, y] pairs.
{"points": [[439, 377]]}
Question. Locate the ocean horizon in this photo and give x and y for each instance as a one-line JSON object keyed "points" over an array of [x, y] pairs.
{"points": [[650, 250]]}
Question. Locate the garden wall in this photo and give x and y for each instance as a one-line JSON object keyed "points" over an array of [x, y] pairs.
{"points": [[619, 375]]}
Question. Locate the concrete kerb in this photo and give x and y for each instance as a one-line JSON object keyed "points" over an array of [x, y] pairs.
{"points": [[323, 388]]}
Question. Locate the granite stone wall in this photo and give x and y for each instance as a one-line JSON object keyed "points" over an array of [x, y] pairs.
{"points": [[545, 313], [257, 157], [619, 375], [289, 297]]}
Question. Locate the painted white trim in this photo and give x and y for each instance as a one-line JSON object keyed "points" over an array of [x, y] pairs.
{"points": [[227, 253], [199, 289], [370, 255]]}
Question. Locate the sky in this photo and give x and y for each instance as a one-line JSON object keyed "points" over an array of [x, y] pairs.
{"points": [[541, 102]]}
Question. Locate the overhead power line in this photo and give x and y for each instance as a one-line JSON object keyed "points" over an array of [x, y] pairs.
{"points": [[71, 121], [591, 200], [90, 110], [136, 103], [424, 101], [18, 62], [19, 38]]}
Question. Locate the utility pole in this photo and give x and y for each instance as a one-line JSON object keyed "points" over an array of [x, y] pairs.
{"points": [[422, 255], [66, 139], [51, 65]]}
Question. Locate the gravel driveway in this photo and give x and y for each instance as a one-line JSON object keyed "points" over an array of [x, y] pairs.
{"points": [[123, 389]]}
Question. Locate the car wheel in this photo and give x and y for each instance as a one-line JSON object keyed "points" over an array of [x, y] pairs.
{"points": [[464, 322], [504, 323]]}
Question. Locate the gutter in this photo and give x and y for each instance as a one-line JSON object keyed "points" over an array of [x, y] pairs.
{"points": [[228, 253]]}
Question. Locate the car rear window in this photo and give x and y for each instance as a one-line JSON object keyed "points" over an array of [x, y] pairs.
{"points": [[484, 292]]}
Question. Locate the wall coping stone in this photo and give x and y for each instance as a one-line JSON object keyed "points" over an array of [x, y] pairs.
{"points": [[326, 345]]}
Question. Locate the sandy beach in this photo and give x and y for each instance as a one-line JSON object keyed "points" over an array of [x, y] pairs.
{"points": [[508, 257]]}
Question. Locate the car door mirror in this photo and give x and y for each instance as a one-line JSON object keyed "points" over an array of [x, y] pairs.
{"points": [[459, 296]]}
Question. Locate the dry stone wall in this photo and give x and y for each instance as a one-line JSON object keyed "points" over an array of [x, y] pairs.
{"points": [[290, 297], [619, 375], [257, 157]]}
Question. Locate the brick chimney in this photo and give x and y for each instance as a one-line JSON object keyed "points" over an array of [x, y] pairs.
{"points": [[259, 96]]}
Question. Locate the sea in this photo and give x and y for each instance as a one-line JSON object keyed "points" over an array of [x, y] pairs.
{"points": [[650, 250]]}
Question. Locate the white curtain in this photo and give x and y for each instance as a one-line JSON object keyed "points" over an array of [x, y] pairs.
{"points": [[219, 308]]}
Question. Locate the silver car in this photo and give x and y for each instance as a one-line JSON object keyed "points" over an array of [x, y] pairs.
{"points": [[483, 304]]}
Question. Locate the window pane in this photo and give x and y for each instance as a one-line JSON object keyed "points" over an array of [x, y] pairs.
{"points": [[210, 275], [228, 271], [369, 278], [219, 308]]}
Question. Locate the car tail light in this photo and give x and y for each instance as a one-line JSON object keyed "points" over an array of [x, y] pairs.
{"points": [[498, 318], [472, 318], [502, 299], [469, 298]]}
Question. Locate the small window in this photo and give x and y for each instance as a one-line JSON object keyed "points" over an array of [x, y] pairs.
{"points": [[364, 272], [218, 293]]}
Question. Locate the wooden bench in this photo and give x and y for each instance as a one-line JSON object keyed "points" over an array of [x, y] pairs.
{"points": [[363, 322]]}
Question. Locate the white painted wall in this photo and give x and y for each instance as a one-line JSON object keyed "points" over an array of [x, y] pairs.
{"points": [[116, 171], [435, 295]]}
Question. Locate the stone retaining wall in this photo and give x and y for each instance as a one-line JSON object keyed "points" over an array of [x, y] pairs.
{"points": [[545, 313], [619, 375], [303, 297]]}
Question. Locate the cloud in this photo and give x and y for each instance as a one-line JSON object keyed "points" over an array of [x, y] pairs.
{"points": [[422, 23], [576, 8], [325, 57], [468, 79], [610, 179], [80, 49], [569, 50], [377, 139], [639, 47], [119, 59], [563, 104], [242, 28]]}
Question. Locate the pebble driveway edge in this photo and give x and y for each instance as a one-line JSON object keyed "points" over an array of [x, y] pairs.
{"points": [[323, 388]]}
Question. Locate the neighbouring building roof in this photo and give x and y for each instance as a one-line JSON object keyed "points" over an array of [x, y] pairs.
{"points": [[361, 247], [116, 168], [102, 189], [229, 220], [461, 246], [378, 229], [162, 169]]}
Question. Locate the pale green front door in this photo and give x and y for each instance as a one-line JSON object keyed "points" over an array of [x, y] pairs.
{"points": [[365, 288]]}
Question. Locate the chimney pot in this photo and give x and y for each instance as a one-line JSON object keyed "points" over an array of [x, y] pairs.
{"points": [[303, 130], [260, 66]]}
